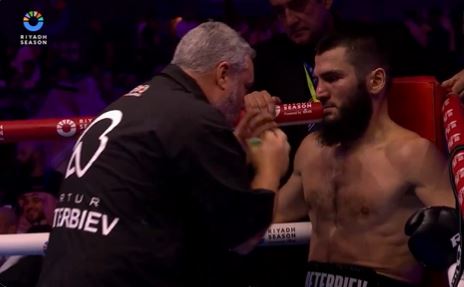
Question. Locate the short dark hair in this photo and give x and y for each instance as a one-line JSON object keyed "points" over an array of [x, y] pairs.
{"points": [[366, 49]]}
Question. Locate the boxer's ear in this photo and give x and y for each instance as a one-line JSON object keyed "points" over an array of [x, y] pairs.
{"points": [[376, 81]]}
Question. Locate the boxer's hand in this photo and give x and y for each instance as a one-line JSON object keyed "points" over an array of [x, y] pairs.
{"points": [[252, 124], [434, 235], [261, 101], [269, 154], [455, 84]]}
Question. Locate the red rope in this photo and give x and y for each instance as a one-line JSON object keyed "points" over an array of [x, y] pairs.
{"points": [[55, 129]]}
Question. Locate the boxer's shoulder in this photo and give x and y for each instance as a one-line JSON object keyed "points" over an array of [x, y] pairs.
{"points": [[311, 141], [409, 151], [404, 142], [310, 146], [412, 146]]}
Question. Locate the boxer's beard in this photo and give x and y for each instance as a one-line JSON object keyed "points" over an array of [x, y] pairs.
{"points": [[353, 120]]}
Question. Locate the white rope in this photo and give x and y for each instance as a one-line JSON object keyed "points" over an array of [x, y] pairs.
{"points": [[296, 233], [23, 244]]}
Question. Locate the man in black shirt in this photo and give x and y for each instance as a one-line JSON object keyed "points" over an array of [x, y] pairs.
{"points": [[157, 184]]}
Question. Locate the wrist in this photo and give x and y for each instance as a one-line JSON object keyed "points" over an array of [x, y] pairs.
{"points": [[266, 179]]}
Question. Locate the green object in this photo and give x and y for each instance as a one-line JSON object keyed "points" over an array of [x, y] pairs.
{"points": [[254, 141], [311, 88]]}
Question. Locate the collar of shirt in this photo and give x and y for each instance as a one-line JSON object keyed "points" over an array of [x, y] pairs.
{"points": [[176, 74]]}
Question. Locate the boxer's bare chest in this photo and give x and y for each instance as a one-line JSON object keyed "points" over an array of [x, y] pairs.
{"points": [[363, 185]]}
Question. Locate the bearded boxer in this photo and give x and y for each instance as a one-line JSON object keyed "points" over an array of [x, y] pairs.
{"points": [[362, 176]]}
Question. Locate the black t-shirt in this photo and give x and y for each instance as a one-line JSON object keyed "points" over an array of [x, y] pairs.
{"points": [[156, 186], [279, 68]]}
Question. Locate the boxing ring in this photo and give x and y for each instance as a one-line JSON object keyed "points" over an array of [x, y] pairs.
{"points": [[297, 233], [435, 113]]}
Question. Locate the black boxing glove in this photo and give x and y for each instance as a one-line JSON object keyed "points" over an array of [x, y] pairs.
{"points": [[434, 236]]}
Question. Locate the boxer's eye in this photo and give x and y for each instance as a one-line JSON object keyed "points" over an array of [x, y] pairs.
{"points": [[331, 77]]}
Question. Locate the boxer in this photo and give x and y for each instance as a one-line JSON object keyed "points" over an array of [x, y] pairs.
{"points": [[362, 176]]}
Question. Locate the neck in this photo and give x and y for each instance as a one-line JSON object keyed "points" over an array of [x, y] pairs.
{"points": [[204, 81], [378, 126]]}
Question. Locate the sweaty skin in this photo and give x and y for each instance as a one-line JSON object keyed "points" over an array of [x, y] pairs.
{"points": [[359, 201], [359, 196]]}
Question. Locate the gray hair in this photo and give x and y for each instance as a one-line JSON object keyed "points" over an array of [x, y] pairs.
{"points": [[210, 43]]}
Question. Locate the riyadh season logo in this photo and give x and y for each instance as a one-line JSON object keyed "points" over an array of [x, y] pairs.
{"points": [[33, 21], [66, 128]]}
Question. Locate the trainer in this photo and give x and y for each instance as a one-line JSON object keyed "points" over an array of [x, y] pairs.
{"points": [[158, 184]]}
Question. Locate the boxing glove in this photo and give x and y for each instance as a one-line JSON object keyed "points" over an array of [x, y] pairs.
{"points": [[434, 236]]}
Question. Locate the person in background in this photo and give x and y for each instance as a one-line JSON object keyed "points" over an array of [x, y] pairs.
{"points": [[284, 64]]}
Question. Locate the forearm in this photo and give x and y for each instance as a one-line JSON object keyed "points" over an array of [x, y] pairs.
{"points": [[266, 179], [263, 179]]}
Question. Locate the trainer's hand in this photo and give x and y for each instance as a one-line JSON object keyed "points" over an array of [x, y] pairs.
{"points": [[269, 154], [455, 84], [261, 101], [433, 236], [252, 124]]}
